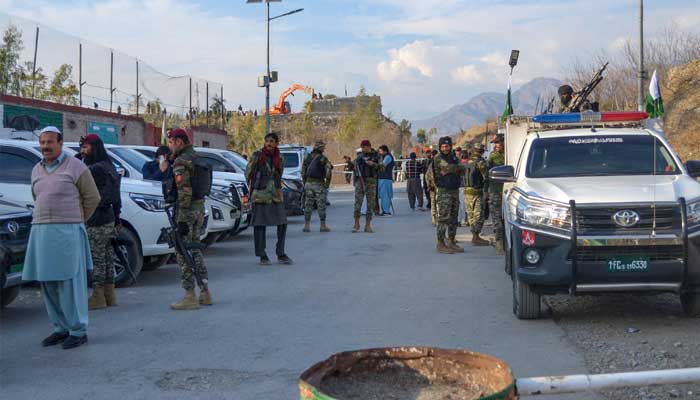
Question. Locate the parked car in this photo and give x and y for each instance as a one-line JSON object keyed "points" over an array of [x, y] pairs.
{"points": [[226, 160], [142, 215], [15, 224], [597, 203], [219, 204]]}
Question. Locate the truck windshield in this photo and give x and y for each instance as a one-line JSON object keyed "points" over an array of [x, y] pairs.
{"points": [[599, 156], [291, 160]]}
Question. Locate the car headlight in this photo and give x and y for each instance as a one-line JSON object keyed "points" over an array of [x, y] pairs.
{"points": [[148, 202], [220, 193], [538, 212], [693, 213]]}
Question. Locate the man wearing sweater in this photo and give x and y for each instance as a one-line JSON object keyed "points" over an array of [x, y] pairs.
{"points": [[58, 254]]}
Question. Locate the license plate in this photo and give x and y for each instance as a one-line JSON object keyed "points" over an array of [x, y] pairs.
{"points": [[628, 264]]}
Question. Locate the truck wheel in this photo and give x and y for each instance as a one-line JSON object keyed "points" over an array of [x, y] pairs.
{"points": [[155, 262], [691, 304], [122, 277], [526, 302], [9, 295]]}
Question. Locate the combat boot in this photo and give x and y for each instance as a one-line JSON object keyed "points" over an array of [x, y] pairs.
{"points": [[443, 249], [189, 302], [307, 225], [499, 248], [205, 297], [110, 295], [97, 299], [324, 227], [452, 244], [356, 227], [478, 241], [368, 227]]}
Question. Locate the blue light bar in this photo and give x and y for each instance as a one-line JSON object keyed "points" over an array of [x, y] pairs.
{"points": [[568, 118]]}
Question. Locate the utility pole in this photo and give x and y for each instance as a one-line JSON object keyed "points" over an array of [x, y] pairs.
{"points": [[267, 87], [111, 79], [138, 95], [189, 114], [36, 47], [80, 74], [641, 74], [207, 104], [223, 110]]}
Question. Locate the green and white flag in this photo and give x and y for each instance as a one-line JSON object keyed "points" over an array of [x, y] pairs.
{"points": [[509, 105], [655, 104]]}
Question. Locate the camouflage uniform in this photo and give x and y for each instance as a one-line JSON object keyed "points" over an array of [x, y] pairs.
{"points": [[102, 253], [189, 217], [368, 190], [447, 199], [430, 187], [473, 197], [316, 189], [495, 191]]}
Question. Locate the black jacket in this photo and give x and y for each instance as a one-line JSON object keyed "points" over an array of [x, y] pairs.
{"points": [[108, 183]]}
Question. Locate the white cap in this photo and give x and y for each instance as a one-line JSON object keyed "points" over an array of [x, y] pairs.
{"points": [[50, 129]]}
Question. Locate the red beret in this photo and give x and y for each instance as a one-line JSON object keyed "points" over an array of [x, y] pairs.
{"points": [[365, 143], [177, 133], [89, 139]]}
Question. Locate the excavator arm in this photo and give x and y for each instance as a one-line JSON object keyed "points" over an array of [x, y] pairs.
{"points": [[281, 106]]}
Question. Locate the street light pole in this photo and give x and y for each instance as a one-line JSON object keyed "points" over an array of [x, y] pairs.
{"points": [[267, 84], [640, 74]]}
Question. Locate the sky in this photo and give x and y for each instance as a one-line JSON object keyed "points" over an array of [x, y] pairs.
{"points": [[421, 56]]}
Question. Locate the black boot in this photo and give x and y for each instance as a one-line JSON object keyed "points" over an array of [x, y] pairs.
{"points": [[74, 341], [54, 339]]}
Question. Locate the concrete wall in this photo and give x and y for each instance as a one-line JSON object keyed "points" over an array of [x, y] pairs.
{"points": [[341, 104], [210, 137]]}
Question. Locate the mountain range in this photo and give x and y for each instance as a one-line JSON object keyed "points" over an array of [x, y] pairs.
{"points": [[489, 105]]}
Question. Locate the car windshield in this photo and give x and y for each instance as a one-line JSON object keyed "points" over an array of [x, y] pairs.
{"points": [[236, 159], [133, 158], [291, 160], [599, 156]]}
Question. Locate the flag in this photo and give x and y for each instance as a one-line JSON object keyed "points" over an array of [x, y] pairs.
{"points": [[655, 104], [163, 133], [509, 105]]}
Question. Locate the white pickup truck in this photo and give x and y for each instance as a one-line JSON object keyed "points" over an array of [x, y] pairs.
{"points": [[595, 203]]}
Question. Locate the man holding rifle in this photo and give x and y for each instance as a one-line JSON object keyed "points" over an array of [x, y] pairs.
{"points": [[189, 219], [367, 167]]}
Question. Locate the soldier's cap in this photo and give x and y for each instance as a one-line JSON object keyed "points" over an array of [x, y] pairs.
{"points": [[565, 89], [478, 147], [365, 143], [52, 129], [320, 144], [445, 140], [89, 139], [498, 139], [177, 133]]}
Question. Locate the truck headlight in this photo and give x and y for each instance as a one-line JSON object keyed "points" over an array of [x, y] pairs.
{"points": [[220, 193], [148, 202], [693, 213], [538, 212]]}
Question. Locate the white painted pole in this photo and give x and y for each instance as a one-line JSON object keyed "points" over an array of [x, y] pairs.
{"points": [[583, 383]]}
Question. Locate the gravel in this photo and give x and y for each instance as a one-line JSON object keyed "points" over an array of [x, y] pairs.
{"points": [[627, 332]]}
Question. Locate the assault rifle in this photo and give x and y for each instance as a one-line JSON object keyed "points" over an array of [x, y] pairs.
{"points": [[181, 246], [359, 175], [118, 245], [581, 97]]}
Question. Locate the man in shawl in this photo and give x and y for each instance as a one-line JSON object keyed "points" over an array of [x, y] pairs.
{"points": [[58, 254], [264, 176]]}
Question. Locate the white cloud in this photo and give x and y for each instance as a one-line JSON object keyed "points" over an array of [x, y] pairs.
{"points": [[619, 43], [418, 56], [468, 74], [494, 59]]}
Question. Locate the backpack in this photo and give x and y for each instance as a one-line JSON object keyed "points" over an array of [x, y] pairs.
{"points": [[316, 168], [474, 178], [202, 176]]}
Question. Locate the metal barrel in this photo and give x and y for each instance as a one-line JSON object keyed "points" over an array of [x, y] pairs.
{"points": [[455, 366]]}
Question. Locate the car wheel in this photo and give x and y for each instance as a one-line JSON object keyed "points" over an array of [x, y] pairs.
{"points": [[691, 304], [526, 302], [9, 295], [155, 262], [129, 244]]}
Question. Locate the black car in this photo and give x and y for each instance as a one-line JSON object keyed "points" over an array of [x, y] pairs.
{"points": [[15, 224]]}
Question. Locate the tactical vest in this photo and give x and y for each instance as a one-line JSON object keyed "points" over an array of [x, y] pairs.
{"points": [[316, 169], [365, 170], [474, 177], [388, 172], [449, 181], [202, 177]]}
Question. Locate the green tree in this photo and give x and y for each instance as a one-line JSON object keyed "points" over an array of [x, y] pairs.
{"points": [[432, 133], [63, 89], [10, 68], [404, 133], [421, 136], [29, 82], [362, 92]]}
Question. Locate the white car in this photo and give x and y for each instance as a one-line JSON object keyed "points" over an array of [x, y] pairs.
{"points": [[223, 214], [226, 174], [142, 214]]}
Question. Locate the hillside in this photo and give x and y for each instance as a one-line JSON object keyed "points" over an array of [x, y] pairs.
{"points": [[489, 105]]}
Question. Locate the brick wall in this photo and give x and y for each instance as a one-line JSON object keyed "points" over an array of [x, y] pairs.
{"points": [[210, 137]]}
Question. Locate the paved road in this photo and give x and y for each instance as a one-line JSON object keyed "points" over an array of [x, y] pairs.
{"points": [[346, 291]]}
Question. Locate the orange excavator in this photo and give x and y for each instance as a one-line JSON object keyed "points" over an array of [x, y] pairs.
{"points": [[282, 106]]}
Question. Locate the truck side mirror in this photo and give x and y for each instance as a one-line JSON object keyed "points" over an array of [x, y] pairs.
{"points": [[693, 168], [502, 174]]}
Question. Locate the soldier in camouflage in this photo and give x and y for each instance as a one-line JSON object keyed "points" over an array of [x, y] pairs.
{"points": [[367, 167], [495, 193], [317, 172], [189, 216], [447, 173], [430, 183], [474, 182]]}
